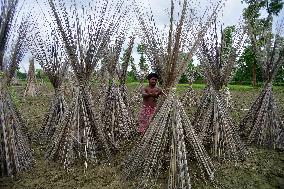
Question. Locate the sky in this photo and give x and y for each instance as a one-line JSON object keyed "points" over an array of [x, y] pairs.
{"points": [[229, 16]]}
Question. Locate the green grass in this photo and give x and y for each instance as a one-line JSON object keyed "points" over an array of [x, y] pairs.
{"points": [[202, 86], [241, 88]]}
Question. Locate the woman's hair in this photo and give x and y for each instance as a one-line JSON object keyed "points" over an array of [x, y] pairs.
{"points": [[152, 75]]}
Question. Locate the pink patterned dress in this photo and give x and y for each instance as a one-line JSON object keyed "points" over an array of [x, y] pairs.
{"points": [[145, 117]]}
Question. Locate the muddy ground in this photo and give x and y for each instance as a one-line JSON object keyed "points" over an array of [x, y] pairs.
{"points": [[262, 169]]}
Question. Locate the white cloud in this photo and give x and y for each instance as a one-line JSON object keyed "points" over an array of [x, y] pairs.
{"points": [[232, 12]]}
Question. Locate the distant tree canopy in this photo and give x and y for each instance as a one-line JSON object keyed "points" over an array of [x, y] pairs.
{"points": [[131, 76], [193, 70], [279, 78], [38, 72], [21, 75], [41, 75], [243, 72], [273, 7], [248, 71], [133, 72]]}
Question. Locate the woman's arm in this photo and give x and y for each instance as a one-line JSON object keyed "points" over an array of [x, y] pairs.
{"points": [[145, 93]]}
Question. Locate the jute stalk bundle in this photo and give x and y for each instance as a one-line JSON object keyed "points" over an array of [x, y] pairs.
{"points": [[262, 124], [15, 151], [31, 87], [49, 52], [170, 134], [85, 35], [212, 120], [118, 122]]}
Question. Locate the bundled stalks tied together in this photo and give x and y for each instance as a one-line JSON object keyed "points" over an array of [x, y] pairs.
{"points": [[170, 141], [262, 125], [228, 97], [69, 83], [189, 98], [85, 31], [15, 79], [15, 151], [166, 145], [48, 51], [103, 80], [212, 121], [122, 71], [118, 123], [31, 87]]}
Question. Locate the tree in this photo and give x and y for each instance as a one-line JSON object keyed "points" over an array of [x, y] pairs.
{"points": [[128, 60], [243, 73], [253, 17], [190, 68], [131, 75], [21, 75], [279, 78], [40, 74], [141, 51], [143, 67]]}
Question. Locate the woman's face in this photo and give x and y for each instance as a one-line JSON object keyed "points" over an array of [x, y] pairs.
{"points": [[153, 81]]}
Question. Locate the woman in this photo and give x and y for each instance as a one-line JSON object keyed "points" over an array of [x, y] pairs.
{"points": [[150, 95]]}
